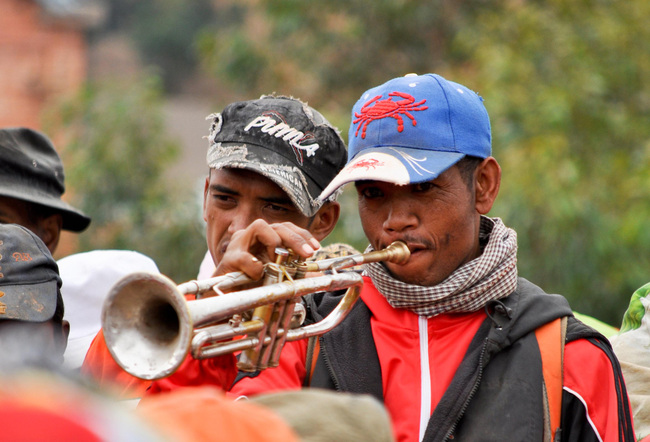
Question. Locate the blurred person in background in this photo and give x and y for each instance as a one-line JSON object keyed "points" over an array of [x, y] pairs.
{"points": [[32, 183], [32, 329], [88, 277], [632, 347]]}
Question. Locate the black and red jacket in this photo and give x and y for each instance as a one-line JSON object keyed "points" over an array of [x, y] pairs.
{"points": [[474, 376]]}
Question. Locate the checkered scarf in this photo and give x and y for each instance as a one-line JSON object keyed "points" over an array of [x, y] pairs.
{"points": [[492, 275]]}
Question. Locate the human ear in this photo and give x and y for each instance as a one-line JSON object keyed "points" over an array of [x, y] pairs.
{"points": [[325, 220], [65, 333], [205, 196], [486, 185], [60, 340]]}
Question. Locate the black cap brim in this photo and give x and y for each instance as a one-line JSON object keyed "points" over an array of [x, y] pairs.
{"points": [[292, 180]]}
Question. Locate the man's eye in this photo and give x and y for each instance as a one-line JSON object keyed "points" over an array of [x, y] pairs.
{"points": [[423, 187], [371, 192], [277, 209], [223, 199]]}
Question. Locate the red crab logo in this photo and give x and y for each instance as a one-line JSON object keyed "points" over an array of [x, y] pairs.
{"points": [[388, 108], [367, 163]]}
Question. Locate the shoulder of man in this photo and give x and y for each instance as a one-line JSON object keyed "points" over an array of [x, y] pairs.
{"points": [[530, 307], [540, 308]]}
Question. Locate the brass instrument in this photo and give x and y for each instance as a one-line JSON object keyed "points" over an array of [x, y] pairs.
{"points": [[150, 327]]}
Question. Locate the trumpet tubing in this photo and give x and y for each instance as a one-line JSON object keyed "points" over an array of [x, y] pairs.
{"points": [[397, 253], [150, 327]]}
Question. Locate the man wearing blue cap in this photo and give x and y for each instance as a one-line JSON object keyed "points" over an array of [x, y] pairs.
{"points": [[454, 342]]}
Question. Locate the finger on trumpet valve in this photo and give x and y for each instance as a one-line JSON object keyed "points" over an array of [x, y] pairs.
{"points": [[271, 338]]}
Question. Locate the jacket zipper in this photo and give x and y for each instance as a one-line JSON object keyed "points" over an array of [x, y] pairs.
{"points": [[326, 359], [452, 429], [425, 375]]}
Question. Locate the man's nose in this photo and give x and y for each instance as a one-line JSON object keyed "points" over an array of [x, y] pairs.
{"points": [[400, 216], [242, 218]]}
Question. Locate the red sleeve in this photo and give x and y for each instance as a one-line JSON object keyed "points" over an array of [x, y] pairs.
{"points": [[100, 366], [288, 375], [219, 371], [589, 377], [222, 371]]}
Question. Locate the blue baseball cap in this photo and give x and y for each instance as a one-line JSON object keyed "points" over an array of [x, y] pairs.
{"points": [[411, 129]]}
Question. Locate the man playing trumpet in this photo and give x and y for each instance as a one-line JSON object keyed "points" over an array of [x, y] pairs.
{"points": [[454, 343], [269, 159]]}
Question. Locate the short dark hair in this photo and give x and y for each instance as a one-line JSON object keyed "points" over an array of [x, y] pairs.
{"points": [[467, 166]]}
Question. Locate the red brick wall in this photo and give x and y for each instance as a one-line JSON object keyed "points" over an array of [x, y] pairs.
{"points": [[41, 59]]}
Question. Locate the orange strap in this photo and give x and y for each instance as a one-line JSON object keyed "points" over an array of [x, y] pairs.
{"points": [[550, 338], [313, 348]]}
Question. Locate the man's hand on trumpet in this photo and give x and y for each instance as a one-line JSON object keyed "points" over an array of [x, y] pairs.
{"points": [[249, 249]]}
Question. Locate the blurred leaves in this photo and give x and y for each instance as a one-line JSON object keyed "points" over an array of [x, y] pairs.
{"points": [[165, 32], [565, 85], [312, 49], [117, 152]]}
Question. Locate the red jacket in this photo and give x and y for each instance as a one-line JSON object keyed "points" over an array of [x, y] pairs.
{"points": [[418, 359]]}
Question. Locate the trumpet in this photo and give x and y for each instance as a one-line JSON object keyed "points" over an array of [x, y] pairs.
{"points": [[150, 327]]}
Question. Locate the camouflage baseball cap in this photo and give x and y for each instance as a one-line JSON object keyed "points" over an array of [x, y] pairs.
{"points": [[283, 139]]}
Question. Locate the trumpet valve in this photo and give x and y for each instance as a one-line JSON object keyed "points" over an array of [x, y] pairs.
{"points": [[235, 320], [299, 315]]}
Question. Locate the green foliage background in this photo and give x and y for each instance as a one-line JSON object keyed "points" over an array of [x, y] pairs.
{"points": [[565, 83], [115, 160]]}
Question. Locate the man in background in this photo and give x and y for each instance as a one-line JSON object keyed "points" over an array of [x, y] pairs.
{"points": [[32, 329], [32, 184]]}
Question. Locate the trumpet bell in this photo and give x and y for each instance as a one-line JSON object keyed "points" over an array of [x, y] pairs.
{"points": [[145, 320]]}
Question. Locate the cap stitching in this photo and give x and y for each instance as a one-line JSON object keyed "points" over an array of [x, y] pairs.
{"points": [[451, 126]]}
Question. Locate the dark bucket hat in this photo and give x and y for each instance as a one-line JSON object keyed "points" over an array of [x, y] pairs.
{"points": [[31, 170]]}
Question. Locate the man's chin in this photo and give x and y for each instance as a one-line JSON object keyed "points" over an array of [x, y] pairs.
{"points": [[407, 275], [414, 275]]}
